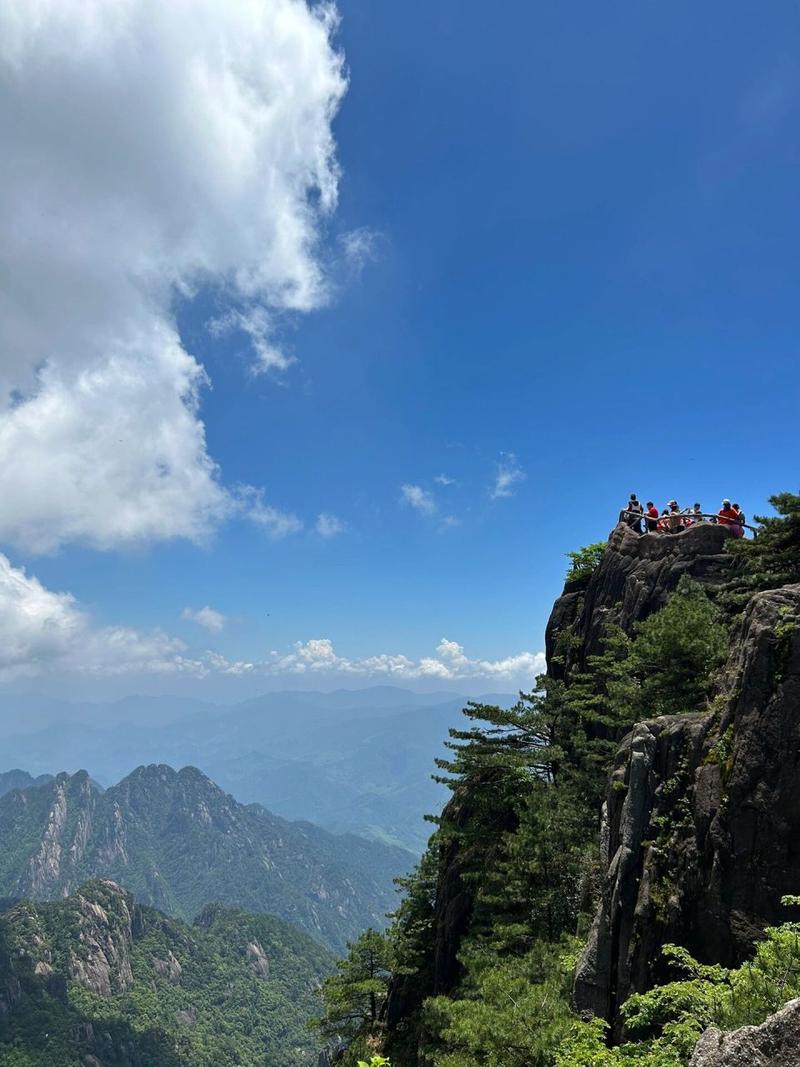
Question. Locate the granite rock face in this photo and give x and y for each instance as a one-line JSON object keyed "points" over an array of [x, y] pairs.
{"points": [[702, 822], [634, 578], [775, 1043]]}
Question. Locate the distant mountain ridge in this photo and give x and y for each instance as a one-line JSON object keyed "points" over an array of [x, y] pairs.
{"points": [[357, 761], [98, 979], [17, 779], [177, 841]]}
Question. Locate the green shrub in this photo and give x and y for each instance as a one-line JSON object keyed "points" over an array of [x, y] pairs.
{"points": [[584, 562]]}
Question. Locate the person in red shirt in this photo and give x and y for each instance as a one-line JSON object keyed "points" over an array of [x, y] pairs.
{"points": [[651, 517], [726, 516]]}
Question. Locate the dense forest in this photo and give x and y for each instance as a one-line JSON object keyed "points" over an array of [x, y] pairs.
{"points": [[515, 890]]}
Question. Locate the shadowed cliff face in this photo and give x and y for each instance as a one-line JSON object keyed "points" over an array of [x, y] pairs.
{"points": [[454, 900], [702, 823], [635, 577]]}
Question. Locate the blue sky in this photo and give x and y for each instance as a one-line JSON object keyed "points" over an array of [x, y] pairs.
{"points": [[564, 248]]}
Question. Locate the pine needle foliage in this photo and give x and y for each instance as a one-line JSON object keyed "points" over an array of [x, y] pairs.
{"points": [[771, 559]]}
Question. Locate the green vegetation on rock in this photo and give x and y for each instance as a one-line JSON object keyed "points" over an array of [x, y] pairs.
{"points": [[96, 978]]}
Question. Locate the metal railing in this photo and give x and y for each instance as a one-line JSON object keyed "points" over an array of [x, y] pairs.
{"points": [[680, 517]]}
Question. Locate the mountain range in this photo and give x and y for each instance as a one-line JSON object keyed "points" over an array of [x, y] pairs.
{"points": [[357, 761], [97, 979], [178, 841]]}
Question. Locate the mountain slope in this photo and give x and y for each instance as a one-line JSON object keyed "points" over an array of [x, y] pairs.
{"points": [[177, 841], [98, 979]]}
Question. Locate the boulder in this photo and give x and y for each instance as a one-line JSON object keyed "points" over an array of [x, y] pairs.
{"points": [[775, 1043]]}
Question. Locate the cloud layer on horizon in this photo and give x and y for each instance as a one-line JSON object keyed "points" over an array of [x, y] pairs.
{"points": [[43, 631]]}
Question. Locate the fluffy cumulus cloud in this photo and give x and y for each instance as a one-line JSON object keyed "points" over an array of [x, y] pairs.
{"points": [[507, 476], [451, 663], [157, 148], [207, 617], [40, 629]]}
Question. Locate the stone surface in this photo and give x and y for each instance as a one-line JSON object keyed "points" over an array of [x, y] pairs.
{"points": [[703, 819], [635, 576], [775, 1043]]}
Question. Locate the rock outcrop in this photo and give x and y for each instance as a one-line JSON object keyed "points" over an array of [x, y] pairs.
{"points": [[702, 823], [775, 1043], [635, 577]]}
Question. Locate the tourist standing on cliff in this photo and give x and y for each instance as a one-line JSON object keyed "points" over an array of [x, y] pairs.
{"points": [[635, 510], [726, 516], [675, 520], [652, 517]]}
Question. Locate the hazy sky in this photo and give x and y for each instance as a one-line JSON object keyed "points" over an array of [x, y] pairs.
{"points": [[326, 332]]}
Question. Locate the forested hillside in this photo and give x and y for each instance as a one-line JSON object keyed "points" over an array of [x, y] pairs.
{"points": [[644, 795], [177, 841], [98, 979]]}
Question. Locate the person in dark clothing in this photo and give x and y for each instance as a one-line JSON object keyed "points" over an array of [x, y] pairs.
{"points": [[651, 517], [634, 516]]}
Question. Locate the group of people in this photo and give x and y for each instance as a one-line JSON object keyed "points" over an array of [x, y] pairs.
{"points": [[673, 519]]}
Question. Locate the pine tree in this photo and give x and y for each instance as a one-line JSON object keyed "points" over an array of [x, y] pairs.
{"points": [[771, 559], [353, 997]]}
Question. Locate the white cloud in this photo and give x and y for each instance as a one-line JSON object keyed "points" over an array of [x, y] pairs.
{"points": [[329, 525], [420, 499], [43, 631], [40, 629], [213, 621], [450, 663], [151, 148], [276, 523], [257, 325], [509, 474], [442, 479]]}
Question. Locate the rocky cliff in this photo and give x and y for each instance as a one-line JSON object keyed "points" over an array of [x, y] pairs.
{"points": [[701, 829], [453, 901], [635, 577]]}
